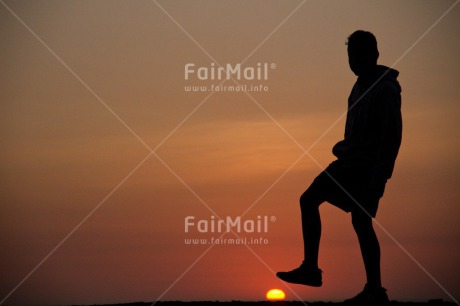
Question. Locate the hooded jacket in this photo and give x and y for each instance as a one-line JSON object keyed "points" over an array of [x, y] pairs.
{"points": [[373, 129]]}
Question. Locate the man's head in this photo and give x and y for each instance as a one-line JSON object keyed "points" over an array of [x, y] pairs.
{"points": [[362, 52]]}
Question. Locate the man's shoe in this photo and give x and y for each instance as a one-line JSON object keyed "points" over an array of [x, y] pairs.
{"points": [[302, 275], [370, 297]]}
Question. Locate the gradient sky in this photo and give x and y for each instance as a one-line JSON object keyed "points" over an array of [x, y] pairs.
{"points": [[102, 83]]}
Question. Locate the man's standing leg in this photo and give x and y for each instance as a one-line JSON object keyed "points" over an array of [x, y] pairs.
{"points": [[370, 250]]}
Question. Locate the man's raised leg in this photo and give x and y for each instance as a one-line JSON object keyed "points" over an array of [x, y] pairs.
{"points": [[311, 228], [308, 273]]}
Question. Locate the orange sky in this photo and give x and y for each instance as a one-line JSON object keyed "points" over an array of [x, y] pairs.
{"points": [[102, 83]]}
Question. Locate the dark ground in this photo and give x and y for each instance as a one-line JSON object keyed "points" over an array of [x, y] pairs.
{"points": [[281, 303]]}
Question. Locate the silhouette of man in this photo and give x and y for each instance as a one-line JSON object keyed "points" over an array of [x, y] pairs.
{"points": [[355, 182]]}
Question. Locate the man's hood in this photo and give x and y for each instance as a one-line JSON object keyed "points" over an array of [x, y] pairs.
{"points": [[381, 74]]}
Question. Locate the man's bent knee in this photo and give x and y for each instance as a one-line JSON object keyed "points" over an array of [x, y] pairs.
{"points": [[308, 201]]}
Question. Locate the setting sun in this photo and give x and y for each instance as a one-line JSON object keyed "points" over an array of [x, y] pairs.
{"points": [[275, 295]]}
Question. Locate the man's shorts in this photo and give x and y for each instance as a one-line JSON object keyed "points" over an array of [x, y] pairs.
{"points": [[349, 189]]}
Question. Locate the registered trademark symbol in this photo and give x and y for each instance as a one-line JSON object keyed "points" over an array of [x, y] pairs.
{"points": [[273, 66], [272, 218]]}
